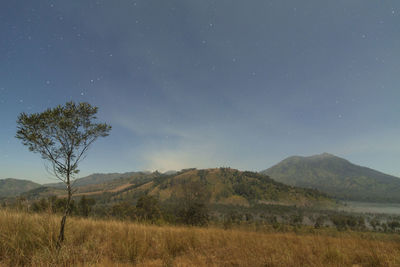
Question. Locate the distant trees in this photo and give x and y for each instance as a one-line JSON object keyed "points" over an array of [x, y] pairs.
{"points": [[343, 222], [394, 225], [193, 206], [123, 210], [231, 218], [148, 208], [41, 205], [85, 206], [53, 204], [319, 222], [62, 136]]}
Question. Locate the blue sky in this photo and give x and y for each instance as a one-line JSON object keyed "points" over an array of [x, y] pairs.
{"points": [[206, 83]]}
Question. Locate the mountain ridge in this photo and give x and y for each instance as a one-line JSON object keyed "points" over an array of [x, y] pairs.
{"points": [[332, 175]]}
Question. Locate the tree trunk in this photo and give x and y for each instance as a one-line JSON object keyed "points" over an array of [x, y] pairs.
{"points": [[66, 213]]}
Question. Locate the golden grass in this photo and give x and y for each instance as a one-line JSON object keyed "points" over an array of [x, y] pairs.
{"points": [[29, 240]]}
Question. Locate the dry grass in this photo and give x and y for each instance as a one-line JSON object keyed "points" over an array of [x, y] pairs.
{"points": [[29, 240]]}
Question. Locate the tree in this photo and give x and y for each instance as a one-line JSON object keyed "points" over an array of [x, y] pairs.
{"points": [[85, 206], [147, 208], [62, 136], [123, 210], [193, 206]]}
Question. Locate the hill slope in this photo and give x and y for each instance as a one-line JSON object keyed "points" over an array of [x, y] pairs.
{"points": [[13, 187], [94, 185], [337, 177], [96, 178], [230, 186]]}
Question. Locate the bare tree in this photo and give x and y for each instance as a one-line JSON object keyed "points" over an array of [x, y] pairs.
{"points": [[62, 136]]}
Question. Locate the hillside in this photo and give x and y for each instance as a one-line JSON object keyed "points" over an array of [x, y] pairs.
{"points": [[13, 187], [42, 192], [94, 185], [97, 178], [337, 177], [230, 186]]}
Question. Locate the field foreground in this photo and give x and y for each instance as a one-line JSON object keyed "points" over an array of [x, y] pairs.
{"points": [[27, 239]]}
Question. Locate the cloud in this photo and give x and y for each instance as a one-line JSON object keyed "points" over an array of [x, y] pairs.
{"points": [[185, 155], [165, 146]]}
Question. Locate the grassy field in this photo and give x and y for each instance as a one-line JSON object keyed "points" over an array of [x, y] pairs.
{"points": [[29, 239]]}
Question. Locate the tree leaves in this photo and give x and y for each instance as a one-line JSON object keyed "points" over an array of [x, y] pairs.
{"points": [[62, 135]]}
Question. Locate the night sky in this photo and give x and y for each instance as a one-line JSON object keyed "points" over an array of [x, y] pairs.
{"points": [[206, 83]]}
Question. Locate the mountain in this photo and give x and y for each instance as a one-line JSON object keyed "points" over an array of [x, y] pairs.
{"points": [[337, 177], [13, 187]]}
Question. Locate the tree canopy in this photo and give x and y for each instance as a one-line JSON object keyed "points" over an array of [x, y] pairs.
{"points": [[61, 135]]}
